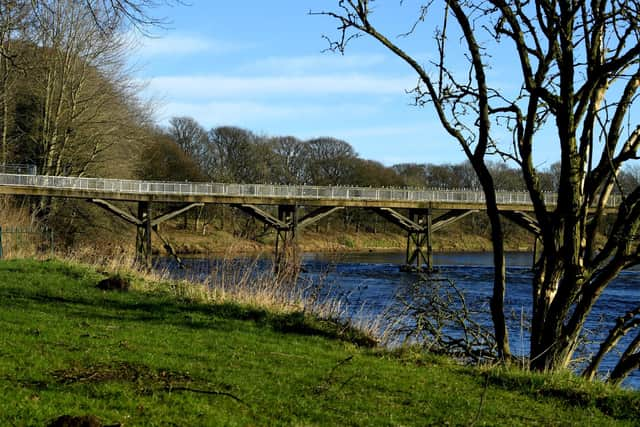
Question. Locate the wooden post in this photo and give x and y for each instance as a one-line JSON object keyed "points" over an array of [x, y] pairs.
{"points": [[429, 246], [287, 214], [419, 239], [147, 229], [143, 235]]}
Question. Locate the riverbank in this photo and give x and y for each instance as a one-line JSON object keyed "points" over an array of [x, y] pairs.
{"points": [[159, 354], [217, 241]]}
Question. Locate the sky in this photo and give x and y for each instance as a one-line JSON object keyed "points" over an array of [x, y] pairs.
{"points": [[263, 66]]}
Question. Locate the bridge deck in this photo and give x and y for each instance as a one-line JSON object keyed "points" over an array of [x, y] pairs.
{"points": [[259, 194]]}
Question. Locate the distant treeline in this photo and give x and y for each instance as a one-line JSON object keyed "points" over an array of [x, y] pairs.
{"points": [[187, 151]]}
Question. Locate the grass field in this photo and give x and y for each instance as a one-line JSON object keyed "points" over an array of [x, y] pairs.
{"points": [[147, 357]]}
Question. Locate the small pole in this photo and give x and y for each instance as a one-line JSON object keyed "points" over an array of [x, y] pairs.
{"points": [[51, 241], [1, 255], [429, 247], [147, 243], [408, 254]]}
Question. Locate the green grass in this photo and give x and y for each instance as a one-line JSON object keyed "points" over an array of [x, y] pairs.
{"points": [[148, 358]]}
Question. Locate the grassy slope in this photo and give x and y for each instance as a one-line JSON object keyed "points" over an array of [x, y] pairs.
{"points": [[148, 358]]}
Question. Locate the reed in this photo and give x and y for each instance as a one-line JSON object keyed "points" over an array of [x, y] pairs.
{"points": [[22, 233]]}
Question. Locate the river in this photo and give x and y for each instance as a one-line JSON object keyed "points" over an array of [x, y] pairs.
{"points": [[369, 286]]}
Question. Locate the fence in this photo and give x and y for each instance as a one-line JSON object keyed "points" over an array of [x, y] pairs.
{"points": [[25, 241], [124, 186], [18, 169]]}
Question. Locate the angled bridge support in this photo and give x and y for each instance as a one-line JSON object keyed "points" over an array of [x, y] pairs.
{"points": [[287, 224], [145, 224], [420, 225]]}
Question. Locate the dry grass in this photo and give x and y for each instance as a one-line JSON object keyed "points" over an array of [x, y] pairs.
{"points": [[23, 244], [248, 281]]}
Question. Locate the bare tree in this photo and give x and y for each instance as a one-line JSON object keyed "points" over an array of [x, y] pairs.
{"points": [[237, 155], [292, 160], [189, 135], [80, 88], [354, 15], [435, 314], [331, 160], [13, 20], [578, 68]]}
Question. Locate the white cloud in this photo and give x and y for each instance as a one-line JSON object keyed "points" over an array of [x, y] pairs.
{"points": [[426, 128], [247, 113], [216, 86], [313, 63], [181, 45]]}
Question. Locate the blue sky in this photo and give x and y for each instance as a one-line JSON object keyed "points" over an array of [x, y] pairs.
{"points": [[260, 65]]}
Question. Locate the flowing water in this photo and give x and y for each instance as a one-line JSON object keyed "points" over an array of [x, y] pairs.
{"points": [[369, 285]]}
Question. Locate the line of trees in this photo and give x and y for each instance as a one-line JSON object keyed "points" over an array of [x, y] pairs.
{"points": [[185, 150]]}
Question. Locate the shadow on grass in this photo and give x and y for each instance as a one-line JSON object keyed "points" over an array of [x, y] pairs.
{"points": [[87, 302], [614, 403]]}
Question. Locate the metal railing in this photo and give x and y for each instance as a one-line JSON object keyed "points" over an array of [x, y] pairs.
{"points": [[124, 186], [23, 239], [18, 169]]}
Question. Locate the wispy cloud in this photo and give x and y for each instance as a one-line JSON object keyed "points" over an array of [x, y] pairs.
{"points": [[216, 86], [211, 114], [182, 45], [427, 128], [313, 63]]}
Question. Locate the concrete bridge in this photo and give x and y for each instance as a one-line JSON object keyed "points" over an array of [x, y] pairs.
{"points": [[255, 199]]}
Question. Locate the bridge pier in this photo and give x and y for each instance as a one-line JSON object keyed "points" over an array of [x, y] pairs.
{"points": [[419, 225], [419, 228], [145, 224], [143, 235], [418, 241], [285, 244], [287, 225]]}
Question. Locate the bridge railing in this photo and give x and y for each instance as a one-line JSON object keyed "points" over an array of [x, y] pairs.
{"points": [[18, 169], [123, 186]]}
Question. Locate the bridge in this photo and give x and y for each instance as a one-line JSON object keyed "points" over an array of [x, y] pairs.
{"points": [[286, 200]]}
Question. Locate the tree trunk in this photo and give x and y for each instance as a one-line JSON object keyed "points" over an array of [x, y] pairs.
{"points": [[500, 273]]}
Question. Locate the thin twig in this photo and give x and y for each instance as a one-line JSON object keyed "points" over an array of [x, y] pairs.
{"points": [[482, 398], [212, 392]]}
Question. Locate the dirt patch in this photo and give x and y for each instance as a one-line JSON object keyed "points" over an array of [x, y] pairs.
{"points": [[71, 421], [122, 371], [114, 283]]}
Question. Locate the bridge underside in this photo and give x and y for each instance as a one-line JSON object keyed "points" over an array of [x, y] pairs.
{"points": [[415, 218], [145, 224], [419, 224]]}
